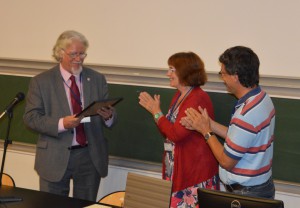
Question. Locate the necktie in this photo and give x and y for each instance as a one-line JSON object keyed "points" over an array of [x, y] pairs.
{"points": [[76, 105]]}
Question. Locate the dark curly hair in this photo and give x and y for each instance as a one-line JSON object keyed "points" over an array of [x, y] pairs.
{"points": [[243, 62]]}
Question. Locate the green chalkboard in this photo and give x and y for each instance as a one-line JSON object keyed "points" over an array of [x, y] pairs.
{"points": [[287, 140], [9, 87], [136, 136]]}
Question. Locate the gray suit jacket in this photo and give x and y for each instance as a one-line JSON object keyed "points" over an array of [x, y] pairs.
{"points": [[46, 103]]}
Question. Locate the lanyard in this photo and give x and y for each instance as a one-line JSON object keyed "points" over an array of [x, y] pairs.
{"points": [[175, 105]]}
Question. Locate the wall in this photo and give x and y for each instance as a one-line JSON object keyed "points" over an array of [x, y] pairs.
{"points": [[142, 33]]}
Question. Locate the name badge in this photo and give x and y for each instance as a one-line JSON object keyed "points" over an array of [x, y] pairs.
{"points": [[168, 146], [86, 120]]}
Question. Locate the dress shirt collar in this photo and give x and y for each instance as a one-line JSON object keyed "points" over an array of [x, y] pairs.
{"points": [[66, 75]]}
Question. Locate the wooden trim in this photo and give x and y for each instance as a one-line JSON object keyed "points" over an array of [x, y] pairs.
{"points": [[282, 87]]}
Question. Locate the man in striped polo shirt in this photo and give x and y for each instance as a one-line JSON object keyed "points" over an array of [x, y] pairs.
{"points": [[246, 158]]}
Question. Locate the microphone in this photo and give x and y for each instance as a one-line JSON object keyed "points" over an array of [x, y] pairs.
{"points": [[19, 97]]}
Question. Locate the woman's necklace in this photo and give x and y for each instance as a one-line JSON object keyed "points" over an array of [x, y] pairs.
{"points": [[178, 102]]}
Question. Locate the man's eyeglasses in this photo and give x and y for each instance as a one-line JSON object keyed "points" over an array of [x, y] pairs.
{"points": [[221, 73], [74, 55]]}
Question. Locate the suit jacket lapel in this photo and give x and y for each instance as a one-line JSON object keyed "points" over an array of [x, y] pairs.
{"points": [[86, 84], [61, 92]]}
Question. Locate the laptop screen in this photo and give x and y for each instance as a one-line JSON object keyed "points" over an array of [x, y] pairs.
{"points": [[219, 199]]}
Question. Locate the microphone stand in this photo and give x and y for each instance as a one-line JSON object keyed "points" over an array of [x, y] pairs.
{"points": [[6, 143]]}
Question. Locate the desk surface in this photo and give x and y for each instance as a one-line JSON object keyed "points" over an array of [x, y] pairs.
{"points": [[38, 199]]}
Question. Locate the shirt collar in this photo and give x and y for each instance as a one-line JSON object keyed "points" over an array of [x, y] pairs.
{"points": [[243, 99], [66, 75], [251, 93]]}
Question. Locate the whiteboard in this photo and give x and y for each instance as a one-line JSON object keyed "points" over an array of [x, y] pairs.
{"points": [[143, 33]]}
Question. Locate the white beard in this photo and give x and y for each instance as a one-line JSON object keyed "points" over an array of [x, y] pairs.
{"points": [[76, 71]]}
